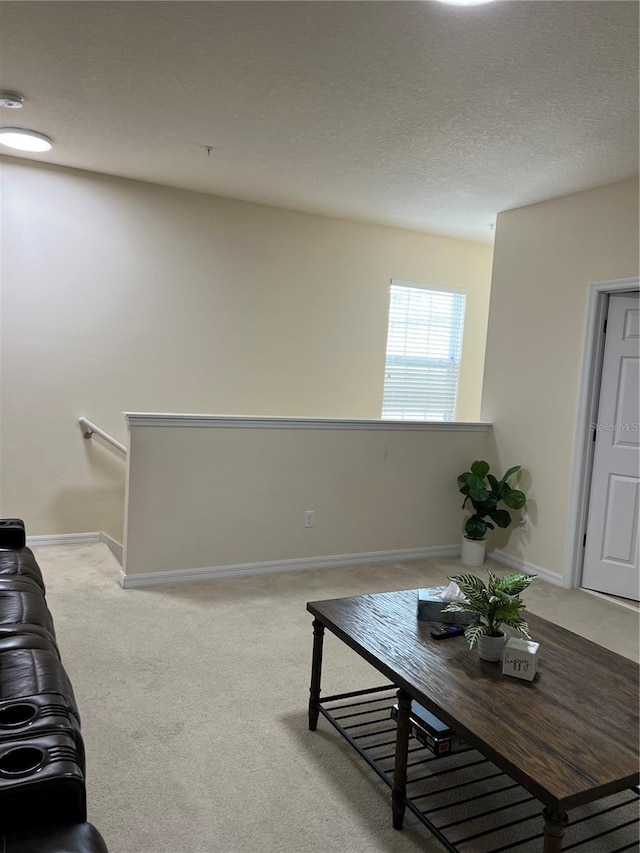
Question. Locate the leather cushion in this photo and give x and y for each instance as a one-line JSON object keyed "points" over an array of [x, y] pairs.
{"points": [[22, 584], [21, 562], [78, 838], [27, 672], [22, 628], [21, 606], [18, 640]]}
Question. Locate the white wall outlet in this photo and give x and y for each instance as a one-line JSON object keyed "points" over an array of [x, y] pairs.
{"points": [[308, 518], [523, 523]]}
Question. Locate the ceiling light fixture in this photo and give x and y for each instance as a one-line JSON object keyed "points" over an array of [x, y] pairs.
{"points": [[465, 2], [25, 140]]}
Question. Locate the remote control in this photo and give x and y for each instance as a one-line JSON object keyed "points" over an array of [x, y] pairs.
{"points": [[447, 631]]}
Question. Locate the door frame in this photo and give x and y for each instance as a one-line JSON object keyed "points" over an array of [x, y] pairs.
{"points": [[588, 401]]}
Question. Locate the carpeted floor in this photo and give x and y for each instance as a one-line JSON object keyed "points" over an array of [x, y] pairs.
{"points": [[193, 699]]}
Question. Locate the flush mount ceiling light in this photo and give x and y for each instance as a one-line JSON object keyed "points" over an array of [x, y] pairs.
{"points": [[24, 140], [465, 2]]}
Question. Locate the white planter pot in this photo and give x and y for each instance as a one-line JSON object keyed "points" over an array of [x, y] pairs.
{"points": [[491, 648], [473, 551]]}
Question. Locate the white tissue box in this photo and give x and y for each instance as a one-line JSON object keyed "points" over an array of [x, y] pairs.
{"points": [[430, 605], [520, 658]]}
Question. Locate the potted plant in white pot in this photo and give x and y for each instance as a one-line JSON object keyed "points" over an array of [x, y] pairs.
{"points": [[495, 604], [485, 492]]}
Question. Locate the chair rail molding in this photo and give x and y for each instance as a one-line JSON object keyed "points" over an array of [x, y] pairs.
{"points": [[158, 419]]}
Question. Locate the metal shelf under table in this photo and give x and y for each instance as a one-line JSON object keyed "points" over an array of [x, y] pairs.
{"points": [[466, 801]]}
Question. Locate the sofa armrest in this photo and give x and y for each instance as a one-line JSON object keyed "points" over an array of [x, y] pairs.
{"points": [[75, 838]]}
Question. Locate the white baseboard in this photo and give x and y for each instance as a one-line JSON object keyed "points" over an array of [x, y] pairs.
{"points": [[114, 546], [523, 566], [270, 566], [78, 539], [612, 599], [64, 539]]}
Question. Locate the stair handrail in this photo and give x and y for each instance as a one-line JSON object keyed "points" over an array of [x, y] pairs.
{"points": [[89, 428]]}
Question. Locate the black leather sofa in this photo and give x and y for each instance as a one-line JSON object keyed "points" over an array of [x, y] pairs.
{"points": [[43, 806]]}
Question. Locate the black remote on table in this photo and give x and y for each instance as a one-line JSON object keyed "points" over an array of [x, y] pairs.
{"points": [[447, 631]]}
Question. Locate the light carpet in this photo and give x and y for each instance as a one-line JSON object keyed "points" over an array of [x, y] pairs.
{"points": [[194, 704]]}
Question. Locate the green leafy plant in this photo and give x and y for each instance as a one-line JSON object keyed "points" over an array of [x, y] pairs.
{"points": [[496, 603], [485, 492]]}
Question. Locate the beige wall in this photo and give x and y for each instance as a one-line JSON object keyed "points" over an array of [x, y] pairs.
{"points": [[545, 257], [217, 497], [120, 295]]}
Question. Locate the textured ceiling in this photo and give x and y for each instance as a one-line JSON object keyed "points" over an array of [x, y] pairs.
{"points": [[416, 114]]}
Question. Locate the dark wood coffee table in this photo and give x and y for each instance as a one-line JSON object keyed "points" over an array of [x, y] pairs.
{"points": [[570, 737]]}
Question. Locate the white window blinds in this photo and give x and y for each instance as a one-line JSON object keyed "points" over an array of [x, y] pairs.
{"points": [[424, 347]]}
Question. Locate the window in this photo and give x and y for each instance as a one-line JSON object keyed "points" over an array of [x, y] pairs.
{"points": [[424, 347]]}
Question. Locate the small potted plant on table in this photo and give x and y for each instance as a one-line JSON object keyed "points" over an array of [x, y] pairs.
{"points": [[496, 604], [485, 492]]}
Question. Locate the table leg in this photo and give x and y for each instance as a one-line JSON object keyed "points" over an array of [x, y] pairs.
{"points": [[316, 672], [399, 790], [555, 823]]}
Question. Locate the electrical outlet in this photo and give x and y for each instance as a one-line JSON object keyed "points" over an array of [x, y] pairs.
{"points": [[308, 518], [523, 523]]}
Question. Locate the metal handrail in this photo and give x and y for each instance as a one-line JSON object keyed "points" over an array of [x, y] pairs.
{"points": [[88, 429]]}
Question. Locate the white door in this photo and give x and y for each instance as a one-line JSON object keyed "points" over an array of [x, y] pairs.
{"points": [[611, 547]]}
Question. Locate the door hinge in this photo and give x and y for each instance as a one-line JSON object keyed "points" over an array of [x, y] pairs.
{"points": [[595, 432], [584, 540], [604, 329]]}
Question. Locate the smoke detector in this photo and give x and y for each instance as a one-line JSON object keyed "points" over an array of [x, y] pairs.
{"points": [[11, 100]]}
